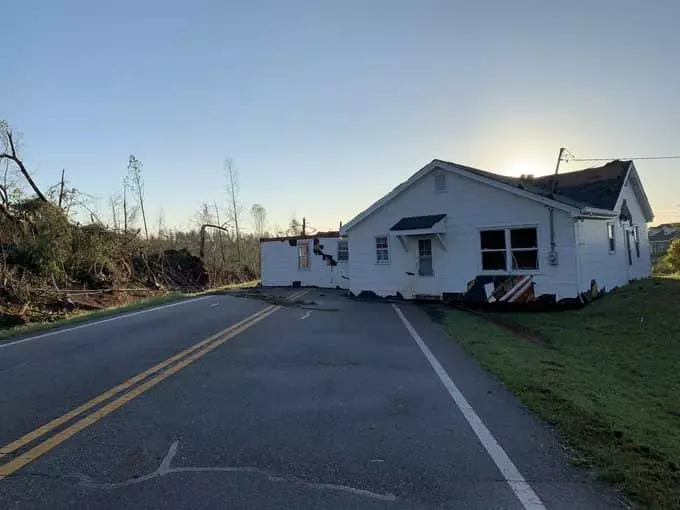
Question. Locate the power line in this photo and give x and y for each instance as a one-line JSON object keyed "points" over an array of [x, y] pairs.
{"points": [[611, 159]]}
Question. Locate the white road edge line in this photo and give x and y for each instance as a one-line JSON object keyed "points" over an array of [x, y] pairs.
{"points": [[110, 319], [513, 477]]}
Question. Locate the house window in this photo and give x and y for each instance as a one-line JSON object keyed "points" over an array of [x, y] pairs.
{"points": [[439, 183], [303, 255], [382, 250], [493, 250], [611, 237], [425, 257], [514, 248], [636, 238], [343, 251], [524, 248]]}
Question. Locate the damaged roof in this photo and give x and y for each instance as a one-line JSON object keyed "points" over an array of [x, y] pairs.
{"points": [[301, 237], [597, 187], [593, 187], [418, 222]]}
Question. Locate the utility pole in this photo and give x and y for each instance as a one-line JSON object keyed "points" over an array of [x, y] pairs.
{"points": [[304, 225], [557, 169], [564, 155]]}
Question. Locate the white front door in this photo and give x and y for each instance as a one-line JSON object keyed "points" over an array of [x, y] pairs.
{"points": [[425, 278]]}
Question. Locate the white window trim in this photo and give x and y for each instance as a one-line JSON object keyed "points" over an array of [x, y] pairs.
{"points": [[309, 256], [508, 251], [609, 244], [346, 243], [375, 248], [636, 240]]}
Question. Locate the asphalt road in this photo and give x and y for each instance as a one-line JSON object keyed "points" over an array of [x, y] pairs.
{"points": [[323, 403]]}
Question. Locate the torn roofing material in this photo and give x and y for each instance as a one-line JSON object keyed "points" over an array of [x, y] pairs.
{"points": [[597, 187], [300, 237], [418, 222]]}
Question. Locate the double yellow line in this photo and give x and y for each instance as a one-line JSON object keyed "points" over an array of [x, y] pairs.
{"points": [[162, 370]]}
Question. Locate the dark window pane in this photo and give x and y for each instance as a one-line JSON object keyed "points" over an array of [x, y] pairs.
{"points": [[425, 266], [424, 247], [525, 259], [493, 260], [492, 239], [523, 238]]}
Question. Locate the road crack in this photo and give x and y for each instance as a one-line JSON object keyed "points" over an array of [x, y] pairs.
{"points": [[165, 468]]}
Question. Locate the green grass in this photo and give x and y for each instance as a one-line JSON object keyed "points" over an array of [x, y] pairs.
{"points": [[607, 376], [140, 304]]}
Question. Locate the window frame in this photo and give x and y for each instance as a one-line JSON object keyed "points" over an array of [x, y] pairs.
{"points": [[345, 243], [611, 237], [636, 238], [307, 257], [421, 257], [508, 250], [504, 250], [386, 249]]}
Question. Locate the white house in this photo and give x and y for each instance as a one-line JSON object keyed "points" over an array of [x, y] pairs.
{"points": [[318, 260], [455, 232], [661, 237]]}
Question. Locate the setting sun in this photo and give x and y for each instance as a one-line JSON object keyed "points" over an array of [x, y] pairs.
{"points": [[515, 169]]}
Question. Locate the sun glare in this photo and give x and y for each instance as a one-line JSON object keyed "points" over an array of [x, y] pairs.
{"points": [[515, 169]]}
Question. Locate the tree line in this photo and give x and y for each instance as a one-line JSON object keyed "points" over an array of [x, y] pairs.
{"points": [[57, 236]]}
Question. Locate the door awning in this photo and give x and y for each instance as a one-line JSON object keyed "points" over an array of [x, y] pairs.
{"points": [[430, 225], [419, 223]]}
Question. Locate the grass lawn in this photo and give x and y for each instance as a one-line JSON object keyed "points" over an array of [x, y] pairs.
{"points": [[607, 376], [83, 316]]}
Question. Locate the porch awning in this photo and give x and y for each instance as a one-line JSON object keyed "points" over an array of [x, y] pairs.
{"points": [[430, 225], [417, 222]]}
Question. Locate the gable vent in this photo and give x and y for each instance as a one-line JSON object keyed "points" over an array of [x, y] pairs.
{"points": [[440, 182]]}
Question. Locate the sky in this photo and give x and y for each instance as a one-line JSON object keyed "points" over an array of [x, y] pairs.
{"points": [[326, 106]]}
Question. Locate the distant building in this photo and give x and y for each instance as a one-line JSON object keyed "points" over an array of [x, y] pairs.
{"points": [[661, 237]]}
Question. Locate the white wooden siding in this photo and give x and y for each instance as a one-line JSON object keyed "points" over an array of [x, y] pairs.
{"points": [[279, 265], [469, 206], [608, 269]]}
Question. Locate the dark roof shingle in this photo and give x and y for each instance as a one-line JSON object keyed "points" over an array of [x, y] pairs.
{"points": [[597, 187]]}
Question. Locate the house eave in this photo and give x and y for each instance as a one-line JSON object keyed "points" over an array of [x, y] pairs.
{"points": [[595, 213]]}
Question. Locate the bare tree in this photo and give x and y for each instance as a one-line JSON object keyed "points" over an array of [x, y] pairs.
{"points": [[115, 203], [219, 233], [294, 227], [136, 181], [259, 214], [235, 206], [9, 192], [9, 152], [125, 204], [161, 224]]}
